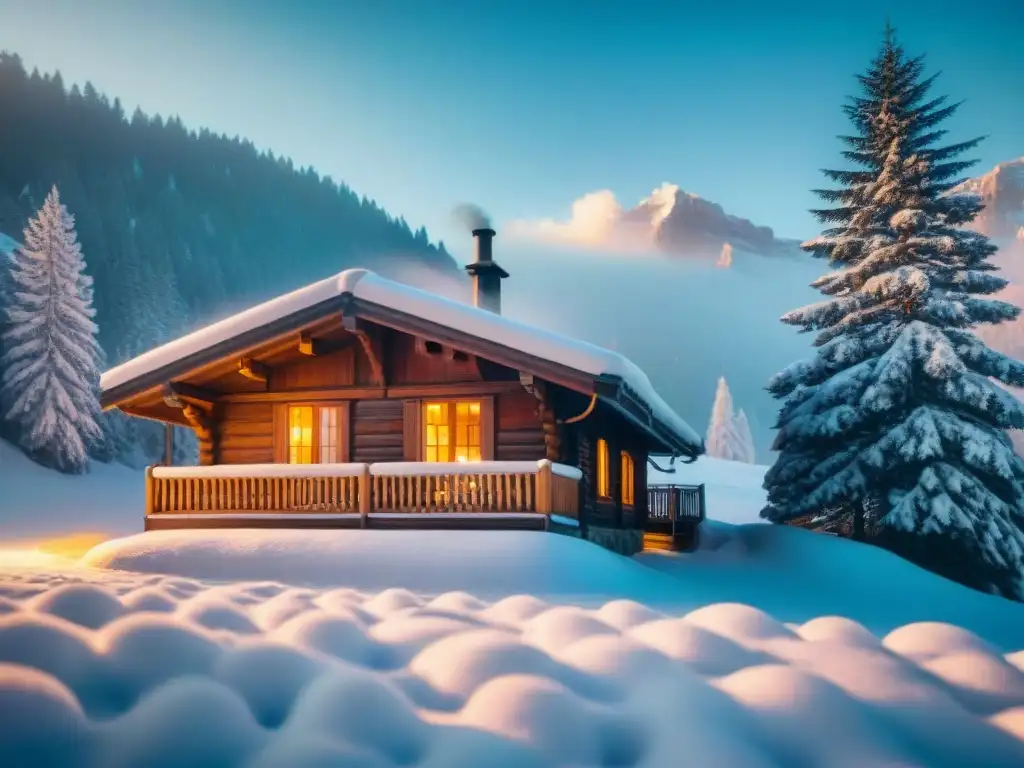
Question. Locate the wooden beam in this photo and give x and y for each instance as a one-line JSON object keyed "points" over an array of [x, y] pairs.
{"points": [[177, 418], [205, 429], [309, 346], [353, 326], [180, 391], [253, 369], [452, 389], [306, 395], [320, 347]]}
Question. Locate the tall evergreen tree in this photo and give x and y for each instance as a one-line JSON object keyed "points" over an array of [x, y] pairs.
{"points": [[50, 374], [896, 416]]}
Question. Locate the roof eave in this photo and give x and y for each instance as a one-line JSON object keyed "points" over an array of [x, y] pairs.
{"points": [[613, 391], [253, 337]]}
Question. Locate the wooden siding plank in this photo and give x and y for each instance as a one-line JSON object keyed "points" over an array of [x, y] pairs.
{"points": [[411, 443]]}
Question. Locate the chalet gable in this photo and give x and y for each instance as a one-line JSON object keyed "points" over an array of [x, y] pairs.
{"points": [[332, 316]]}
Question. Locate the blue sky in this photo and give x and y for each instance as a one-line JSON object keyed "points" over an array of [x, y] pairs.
{"points": [[525, 106]]}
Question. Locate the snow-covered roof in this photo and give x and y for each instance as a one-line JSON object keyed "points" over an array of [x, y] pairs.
{"points": [[368, 288]]}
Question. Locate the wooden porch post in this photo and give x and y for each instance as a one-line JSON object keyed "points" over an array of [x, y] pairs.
{"points": [[544, 490], [168, 445], [365, 492], [150, 491]]}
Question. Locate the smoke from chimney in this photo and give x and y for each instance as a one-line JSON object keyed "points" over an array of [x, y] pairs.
{"points": [[471, 216]]}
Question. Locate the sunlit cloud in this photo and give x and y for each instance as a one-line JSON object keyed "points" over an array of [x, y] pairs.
{"points": [[598, 222]]}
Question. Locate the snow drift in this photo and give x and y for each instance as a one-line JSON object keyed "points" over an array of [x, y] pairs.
{"points": [[496, 563], [130, 670], [793, 574]]}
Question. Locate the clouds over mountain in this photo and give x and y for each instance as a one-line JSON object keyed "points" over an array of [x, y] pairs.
{"points": [[669, 221], [1002, 190]]}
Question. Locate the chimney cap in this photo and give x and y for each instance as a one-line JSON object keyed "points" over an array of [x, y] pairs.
{"points": [[485, 268], [484, 231]]}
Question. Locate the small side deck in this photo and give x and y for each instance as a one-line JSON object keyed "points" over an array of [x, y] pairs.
{"points": [[480, 495], [674, 515]]}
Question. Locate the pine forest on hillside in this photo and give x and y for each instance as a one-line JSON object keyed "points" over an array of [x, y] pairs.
{"points": [[178, 227]]}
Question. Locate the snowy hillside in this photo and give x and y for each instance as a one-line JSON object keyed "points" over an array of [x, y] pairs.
{"points": [[35, 501]]}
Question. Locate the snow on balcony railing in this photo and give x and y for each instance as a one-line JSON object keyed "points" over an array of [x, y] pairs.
{"points": [[424, 469], [260, 470], [503, 487]]}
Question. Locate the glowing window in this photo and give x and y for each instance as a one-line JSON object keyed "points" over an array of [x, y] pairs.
{"points": [[628, 480], [300, 434], [604, 485], [328, 436], [451, 431]]}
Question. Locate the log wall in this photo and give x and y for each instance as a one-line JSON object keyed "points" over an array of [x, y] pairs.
{"points": [[518, 436], [246, 433], [377, 431], [583, 437]]}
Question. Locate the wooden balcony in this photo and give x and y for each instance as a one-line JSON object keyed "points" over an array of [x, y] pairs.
{"points": [[674, 514], [488, 494]]}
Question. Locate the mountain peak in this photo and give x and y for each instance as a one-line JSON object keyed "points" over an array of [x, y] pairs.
{"points": [[669, 220], [686, 223], [1002, 190]]}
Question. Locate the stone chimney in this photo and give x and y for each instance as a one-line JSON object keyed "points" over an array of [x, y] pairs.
{"points": [[487, 275]]}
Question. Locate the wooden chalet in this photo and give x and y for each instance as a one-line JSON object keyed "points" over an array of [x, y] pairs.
{"points": [[362, 402]]}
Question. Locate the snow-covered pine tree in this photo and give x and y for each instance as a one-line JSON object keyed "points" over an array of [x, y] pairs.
{"points": [[897, 411], [723, 440], [745, 437], [50, 375]]}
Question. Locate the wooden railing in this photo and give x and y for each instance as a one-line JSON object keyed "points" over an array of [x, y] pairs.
{"points": [[669, 506], [362, 489]]}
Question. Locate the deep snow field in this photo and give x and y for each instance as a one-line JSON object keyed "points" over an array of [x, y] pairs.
{"points": [[267, 649]]}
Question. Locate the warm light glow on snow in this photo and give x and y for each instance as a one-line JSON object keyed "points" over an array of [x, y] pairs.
{"points": [[48, 553], [28, 558]]}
